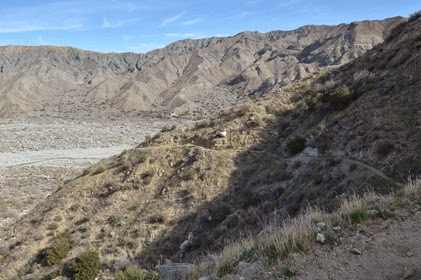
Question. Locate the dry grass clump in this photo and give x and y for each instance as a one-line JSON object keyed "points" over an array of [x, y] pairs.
{"points": [[276, 242], [272, 244]]}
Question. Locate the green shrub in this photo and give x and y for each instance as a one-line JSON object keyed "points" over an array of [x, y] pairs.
{"points": [[340, 98], [289, 273], [358, 216], [74, 207], [86, 266], [219, 213], [151, 275], [248, 255], [53, 275], [295, 145], [130, 273], [59, 250], [383, 148], [225, 268]]}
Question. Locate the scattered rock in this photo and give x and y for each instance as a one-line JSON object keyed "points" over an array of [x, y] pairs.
{"points": [[409, 272], [248, 271], [337, 229], [372, 212], [320, 237], [310, 151], [355, 251], [176, 271], [409, 254], [321, 225], [221, 134]]}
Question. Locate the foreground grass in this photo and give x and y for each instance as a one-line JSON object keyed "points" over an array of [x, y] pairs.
{"points": [[277, 242]]}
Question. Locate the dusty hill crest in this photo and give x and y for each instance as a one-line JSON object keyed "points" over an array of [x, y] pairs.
{"points": [[190, 78]]}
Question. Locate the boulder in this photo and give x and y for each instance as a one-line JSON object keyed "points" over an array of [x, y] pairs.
{"points": [[176, 271]]}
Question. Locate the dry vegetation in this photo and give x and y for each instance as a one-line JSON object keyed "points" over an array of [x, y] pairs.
{"points": [[192, 189], [298, 235]]}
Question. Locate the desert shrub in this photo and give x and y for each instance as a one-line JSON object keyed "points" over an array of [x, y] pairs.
{"points": [[99, 169], [53, 275], [415, 15], [157, 218], [352, 166], [151, 275], [130, 273], [52, 226], [147, 177], [86, 266], [383, 148], [248, 254], [340, 97], [357, 216], [59, 249], [219, 212], [257, 122], [295, 145], [248, 198], [289, 273], [111, 187], [137, 183], [226, 267], [74, 207], [313, 102], [245, 109]]}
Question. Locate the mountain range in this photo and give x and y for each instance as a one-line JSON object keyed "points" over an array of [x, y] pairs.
{"points": [[332, 135], [189, 78]]}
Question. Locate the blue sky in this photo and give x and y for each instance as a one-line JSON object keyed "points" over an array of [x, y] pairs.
{"points": [[140, 26]]}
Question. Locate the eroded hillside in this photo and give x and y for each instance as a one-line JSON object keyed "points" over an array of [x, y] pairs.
{"points": [[189, 78], [311, 143]]}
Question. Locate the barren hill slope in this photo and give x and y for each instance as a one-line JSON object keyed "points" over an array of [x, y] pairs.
{"points": [[314, 143], [191, 78]]}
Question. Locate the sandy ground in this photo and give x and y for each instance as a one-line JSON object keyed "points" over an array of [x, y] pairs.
{"points": [[389, 250], [38, 155]]}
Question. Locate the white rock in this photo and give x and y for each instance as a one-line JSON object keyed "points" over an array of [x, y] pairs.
{"points": [[337, 229], [320, 237], [321, 225], [355, 251]]}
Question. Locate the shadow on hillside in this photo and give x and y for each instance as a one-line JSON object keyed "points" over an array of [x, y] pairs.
{"points": [[372, 143]]}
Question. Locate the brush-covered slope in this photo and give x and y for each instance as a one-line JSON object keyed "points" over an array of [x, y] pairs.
{"points": [[191, 189], [190, 78]]}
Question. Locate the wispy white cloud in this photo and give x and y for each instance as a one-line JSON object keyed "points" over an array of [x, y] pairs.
{"points": [[145, 47], [63, 15], [171, 19], [12, 27], [185, 35], [117, 23], [192, 21]]}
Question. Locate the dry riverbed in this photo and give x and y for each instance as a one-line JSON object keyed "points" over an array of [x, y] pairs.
{"points": [[38, 155]]}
